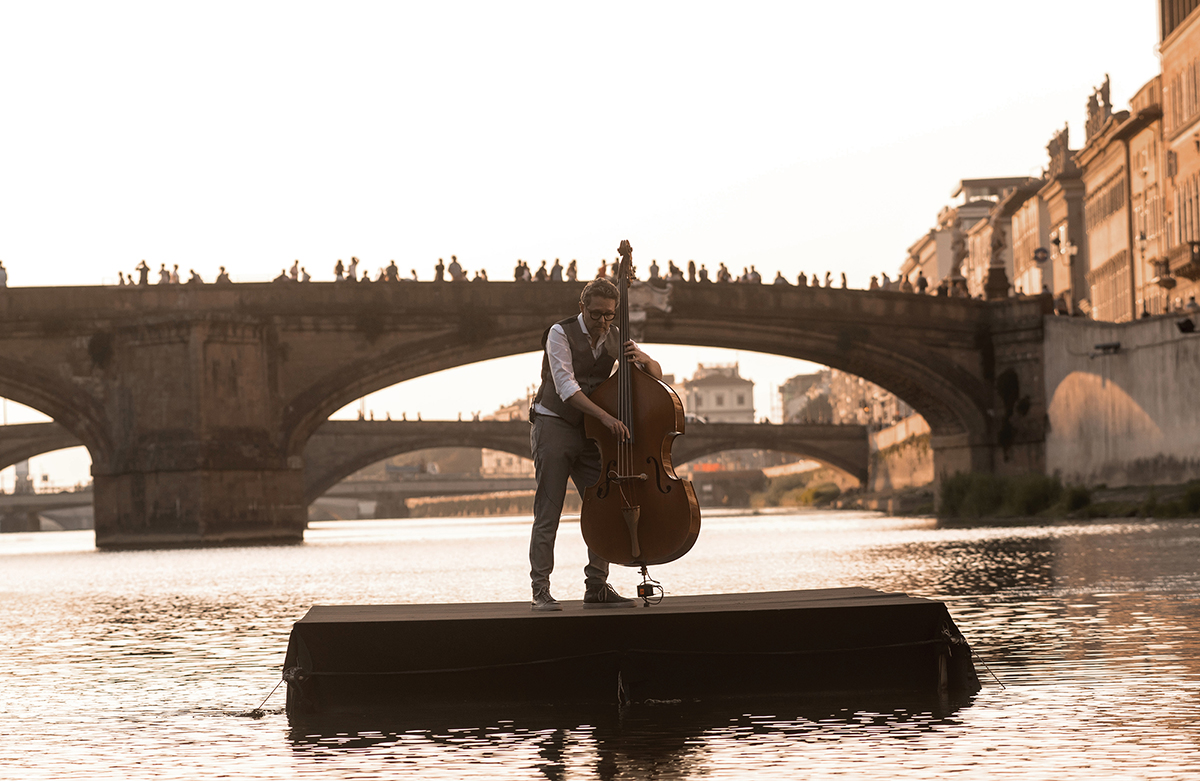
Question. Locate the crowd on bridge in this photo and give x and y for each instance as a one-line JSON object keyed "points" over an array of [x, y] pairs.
{"points": [[165, 277], [556, 272]]}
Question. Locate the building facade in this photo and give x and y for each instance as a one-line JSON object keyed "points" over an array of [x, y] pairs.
{"points": [[1063, 195], [1178, 270], [717, 393], [497, 463], [1103, 166], [832, 396], [960, 246], [1032, 272], [805, 398], [857, 401], [1147, 189], [1122, 172], [988, 211], [933, 253]]}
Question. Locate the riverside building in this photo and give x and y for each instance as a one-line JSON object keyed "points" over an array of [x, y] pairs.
{"points": [[717, 393], [1178, 268]]}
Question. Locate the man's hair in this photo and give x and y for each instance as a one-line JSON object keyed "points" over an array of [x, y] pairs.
{"points": [[599, 288]]}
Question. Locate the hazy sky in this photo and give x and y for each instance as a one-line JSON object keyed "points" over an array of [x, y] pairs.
{"points": [[794, 136]]}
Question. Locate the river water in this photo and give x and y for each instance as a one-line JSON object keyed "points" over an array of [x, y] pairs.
{"points": [[130, 665]]}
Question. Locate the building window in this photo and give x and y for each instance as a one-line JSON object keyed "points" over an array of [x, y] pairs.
{"points": [[1104, 204], [1110, 289], [720, 399], [741, 399], [699, 400]]}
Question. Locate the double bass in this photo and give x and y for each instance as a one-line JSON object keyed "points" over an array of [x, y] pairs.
{"points": [[639, 512]]}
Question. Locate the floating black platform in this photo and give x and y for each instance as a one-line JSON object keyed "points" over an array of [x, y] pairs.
{"points": [[365, 658]]}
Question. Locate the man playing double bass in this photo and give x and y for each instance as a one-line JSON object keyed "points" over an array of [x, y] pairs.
{"points": [[580, 353]]}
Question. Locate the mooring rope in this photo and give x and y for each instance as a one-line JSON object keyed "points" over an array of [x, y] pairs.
{"points": [[989, 669], [258, 712]]}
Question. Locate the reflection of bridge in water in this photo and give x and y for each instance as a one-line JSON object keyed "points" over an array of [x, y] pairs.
{"points": [[339, 448], [197, 403]]}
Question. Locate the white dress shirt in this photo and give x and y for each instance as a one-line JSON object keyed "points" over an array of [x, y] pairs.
{"points": [[562, 367]]}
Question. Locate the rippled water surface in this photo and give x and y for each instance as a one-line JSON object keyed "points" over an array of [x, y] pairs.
{"points": [[146, 664]]}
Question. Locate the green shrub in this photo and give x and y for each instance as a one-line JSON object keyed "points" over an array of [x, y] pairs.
{"points": [[971, 495], [781, 487], [1149, 506], [823, 493], [1031, 494], [1191, 497], [1076, 497], [976, 495]]}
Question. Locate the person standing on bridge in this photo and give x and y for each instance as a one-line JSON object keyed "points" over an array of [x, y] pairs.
{"points": [[580, 352]]}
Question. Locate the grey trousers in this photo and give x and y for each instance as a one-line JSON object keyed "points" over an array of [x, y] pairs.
{"points": [[560, 450]]}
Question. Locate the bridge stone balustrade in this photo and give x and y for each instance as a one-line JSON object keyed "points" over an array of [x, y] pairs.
{"points": [[197, 402]]}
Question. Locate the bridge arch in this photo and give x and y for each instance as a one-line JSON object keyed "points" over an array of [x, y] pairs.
{"points": [[77, 414], [931, 352], [341, 448], [856, 468], [23, 441]]}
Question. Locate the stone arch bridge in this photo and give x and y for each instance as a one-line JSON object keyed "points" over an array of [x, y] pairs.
{"points": [[196, 402], [339, 448]]}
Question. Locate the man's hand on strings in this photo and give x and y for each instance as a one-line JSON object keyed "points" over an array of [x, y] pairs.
{"points": [[635, 353], [615, 427]]}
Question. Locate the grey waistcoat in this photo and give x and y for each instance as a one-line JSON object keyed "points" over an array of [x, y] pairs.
{"points": [[590, 371]]}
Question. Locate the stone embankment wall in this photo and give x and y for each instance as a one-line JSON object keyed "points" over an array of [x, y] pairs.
{"points": [[1127, 415], [901, 456]]}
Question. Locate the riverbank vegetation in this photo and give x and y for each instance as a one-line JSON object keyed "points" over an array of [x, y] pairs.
{"points": [[805, 489], [989, 496]]}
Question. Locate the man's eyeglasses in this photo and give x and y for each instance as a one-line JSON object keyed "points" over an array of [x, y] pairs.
{"points": [[605, 316]]}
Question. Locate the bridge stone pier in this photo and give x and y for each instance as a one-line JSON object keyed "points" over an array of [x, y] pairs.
{"points": [[197, 402]]}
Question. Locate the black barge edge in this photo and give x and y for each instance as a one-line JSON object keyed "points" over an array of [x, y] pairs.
{"points": [[370, 658]]}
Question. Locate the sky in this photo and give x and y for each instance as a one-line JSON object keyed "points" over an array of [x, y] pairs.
{"points": [[794, 136]]}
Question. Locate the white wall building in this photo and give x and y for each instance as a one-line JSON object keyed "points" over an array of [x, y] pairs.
{"points": [[718, 394]]}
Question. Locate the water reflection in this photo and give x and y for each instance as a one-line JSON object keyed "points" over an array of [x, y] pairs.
{"points": [[144, 664], [663, 741]]}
